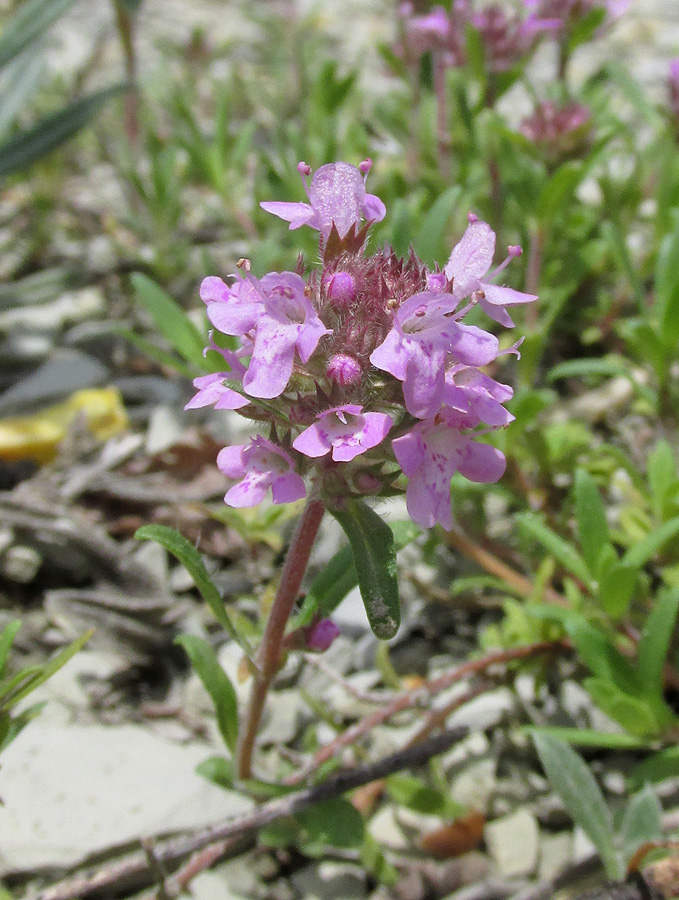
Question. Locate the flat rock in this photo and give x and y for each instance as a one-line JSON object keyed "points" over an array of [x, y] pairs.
{"points": [[556, 852], [513, 843], [71, 791]]}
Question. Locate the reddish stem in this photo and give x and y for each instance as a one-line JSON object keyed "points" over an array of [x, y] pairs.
{"points": [[269, 653]]}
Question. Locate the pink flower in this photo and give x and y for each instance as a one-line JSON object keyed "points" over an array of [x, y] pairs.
{"points": [[346, 430], [258, 466], [213, 392], [281, 319], [470, 260], [337, 196], [471, 392], [430, 454], [417, 348]]}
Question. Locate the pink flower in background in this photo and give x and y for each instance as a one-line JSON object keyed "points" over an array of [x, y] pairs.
{"points": [[337, 196], [558, 131], [430, 454], [346, 430], [470, 261], [257, 467]]}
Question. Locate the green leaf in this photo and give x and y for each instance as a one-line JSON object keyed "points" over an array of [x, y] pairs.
{"points": [[582, 797], [562, 551], [559, 190], [657, 768], [9, 632], [655, 640], [335, 822], [217, 684], [171, 320], [645, 550], [163, 357], [591, 518], [32, 20], [339, 576], [641, 823], [585, 26], [190, 558], [46, 671], [217, 769], [418, 796], [662, 475], [616, 587], [372, 543], [667, 287], [588, 737], [633, 714], [20, 82], [429, 239], [30, 145]]}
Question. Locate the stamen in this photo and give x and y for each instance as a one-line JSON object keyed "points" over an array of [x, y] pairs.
{"points": [[365, 167], [512, 252], [472, 217], [244, 264]]}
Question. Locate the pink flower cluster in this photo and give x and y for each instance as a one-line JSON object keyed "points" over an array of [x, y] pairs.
{"points": [[506, 36], [363, 370], [558, 131]]}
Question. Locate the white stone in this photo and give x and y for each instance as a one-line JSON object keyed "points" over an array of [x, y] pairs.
{"points": [[70, 791], [556, 851], [513, 842], [474, 787]]}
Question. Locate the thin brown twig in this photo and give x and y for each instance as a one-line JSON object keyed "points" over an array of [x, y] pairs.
{"points": [[419, 696], [173, 850]]}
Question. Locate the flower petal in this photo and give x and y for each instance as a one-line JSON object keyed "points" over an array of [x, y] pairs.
{"points": [[471, 258]]}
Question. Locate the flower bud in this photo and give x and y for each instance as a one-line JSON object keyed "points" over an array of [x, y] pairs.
{"points": [[321, 635], [367, 483], [340, 289], [344, 369]]}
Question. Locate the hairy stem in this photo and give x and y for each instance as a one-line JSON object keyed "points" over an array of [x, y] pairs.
{"points": [[269, 653]]}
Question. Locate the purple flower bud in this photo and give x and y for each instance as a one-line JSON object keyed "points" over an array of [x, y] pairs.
{"points": [[367, 483], [344, 369], [340, 288], [321, 635]]}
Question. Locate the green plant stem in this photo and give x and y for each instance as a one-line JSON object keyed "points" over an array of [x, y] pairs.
{"points": [[269, 653]]}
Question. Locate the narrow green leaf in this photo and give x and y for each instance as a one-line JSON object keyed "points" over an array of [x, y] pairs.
{"points": [[372, 543], [588, 737], [217, 684], [657, 767], [190, 558], [582, 797], [217, 769], [162, 357], [170, 319], [559, 189], [335, 822], [635, 715], [655, 640], [591, 518], [616, 587], [30, 145], [641, 823], [339, 576], [662, 474], [429, 239], [20, 81], [645, 550], [667, 287], [48, 669], [32, 20], [563, 552], [9, 632]]}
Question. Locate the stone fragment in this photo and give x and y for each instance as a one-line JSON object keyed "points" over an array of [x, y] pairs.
{"points": [[20, 564], [513, 843]]}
